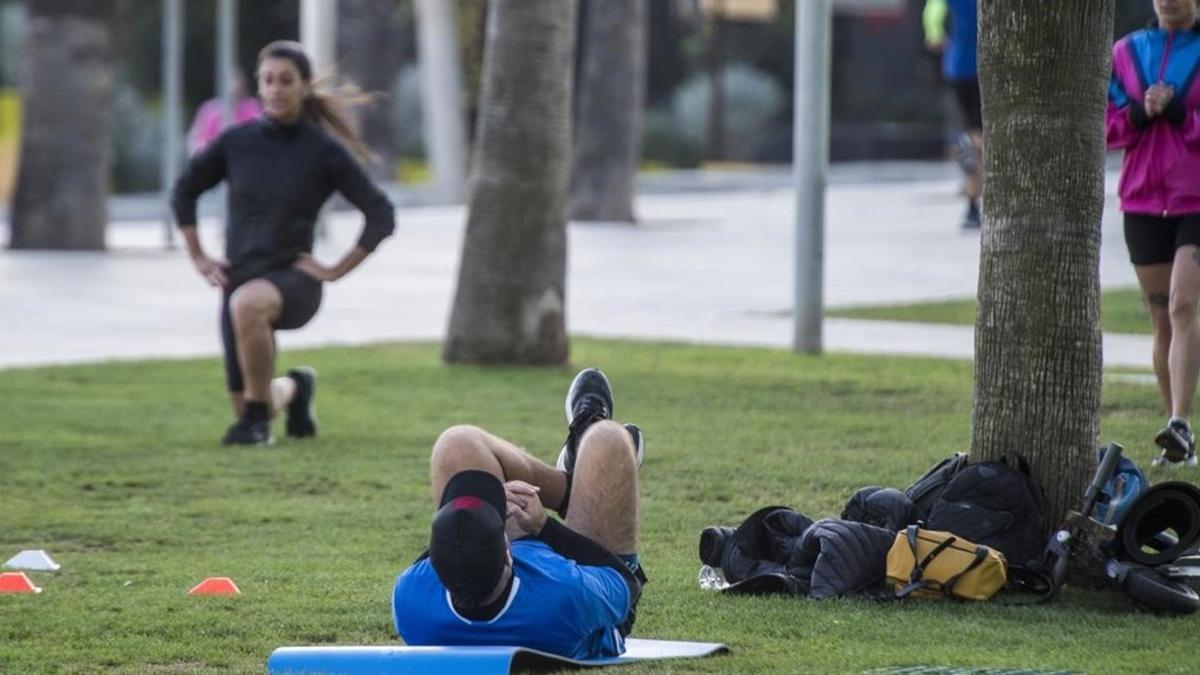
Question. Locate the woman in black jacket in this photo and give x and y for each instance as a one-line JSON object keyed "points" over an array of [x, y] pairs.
{"points": [[280, 169]]}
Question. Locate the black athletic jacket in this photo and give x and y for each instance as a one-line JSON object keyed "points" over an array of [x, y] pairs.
{"points": [[279, 176]]}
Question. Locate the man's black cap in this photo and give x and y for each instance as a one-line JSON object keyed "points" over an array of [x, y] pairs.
{"points": [[467, 546]]}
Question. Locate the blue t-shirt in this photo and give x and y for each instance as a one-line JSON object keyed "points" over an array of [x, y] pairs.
{"points": [[555, 605], [960, 58]]}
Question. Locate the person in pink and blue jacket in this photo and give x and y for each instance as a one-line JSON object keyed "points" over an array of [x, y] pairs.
{"points": [[1154, 115], [209, 121]]}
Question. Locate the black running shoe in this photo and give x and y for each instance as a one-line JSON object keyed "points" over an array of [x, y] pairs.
{"points": [[639, 442], [248, 431], [589, 400], [589, 392], [301, 417], [1177, 443], [972, 220]]}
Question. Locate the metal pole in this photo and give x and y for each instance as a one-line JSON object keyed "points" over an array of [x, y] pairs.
{"points": [[441, 104], [172, 75], [318, 32], [226, 57], [318, 35], [810, 156]]}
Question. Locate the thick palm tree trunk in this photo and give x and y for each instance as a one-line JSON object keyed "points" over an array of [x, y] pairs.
{"points": [[1044, 68], [509, 306], [67, 90], [369, 44], [609, 117]]}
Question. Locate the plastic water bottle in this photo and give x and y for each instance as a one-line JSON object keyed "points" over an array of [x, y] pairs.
{"points": [[711, 579]]}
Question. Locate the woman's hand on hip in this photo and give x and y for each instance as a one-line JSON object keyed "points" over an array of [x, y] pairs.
{"points": [[309, 265], [212, 269]]}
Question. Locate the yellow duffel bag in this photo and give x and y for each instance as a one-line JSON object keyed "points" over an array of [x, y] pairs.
{"points": [[930, 564]]}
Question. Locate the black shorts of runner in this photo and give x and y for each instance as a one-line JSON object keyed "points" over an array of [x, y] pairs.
{"points": [[969, 102], [301, 299], [1153, 240]]}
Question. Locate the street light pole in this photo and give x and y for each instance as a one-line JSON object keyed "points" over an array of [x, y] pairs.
{"points": [[172, 74], [226, 56], [318, 33], [810, 157], [441, 101]]}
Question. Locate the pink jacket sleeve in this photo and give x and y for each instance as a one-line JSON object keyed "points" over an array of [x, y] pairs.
{"points": [[1190, 129], [1119, 128]]}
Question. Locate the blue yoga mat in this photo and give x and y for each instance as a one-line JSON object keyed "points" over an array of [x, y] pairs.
{"points": [[447, 660]]}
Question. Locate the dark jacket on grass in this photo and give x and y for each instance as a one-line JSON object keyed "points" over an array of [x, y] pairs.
{"points": [[778, 550]]}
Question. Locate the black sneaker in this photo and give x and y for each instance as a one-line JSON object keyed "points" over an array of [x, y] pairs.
{"points": [[589, 400], [972, 220], [639, 442], [247, 431], [301, 417], [567, 457], [1177, 443]]}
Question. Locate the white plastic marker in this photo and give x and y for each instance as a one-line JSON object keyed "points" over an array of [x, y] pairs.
{"points": [[32, 560]]}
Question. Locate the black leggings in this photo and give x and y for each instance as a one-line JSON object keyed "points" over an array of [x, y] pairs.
{"points": [[301, 299]]}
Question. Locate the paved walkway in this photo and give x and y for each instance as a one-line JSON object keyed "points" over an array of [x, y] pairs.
{"points": [[711, 262]]}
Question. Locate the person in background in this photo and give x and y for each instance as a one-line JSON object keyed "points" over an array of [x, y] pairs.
{"points": [[959, 50], [209, 122], [280, 169], [1154, 116]]}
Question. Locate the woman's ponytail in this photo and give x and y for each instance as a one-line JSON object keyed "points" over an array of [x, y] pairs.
{"points": [[328, 103]]}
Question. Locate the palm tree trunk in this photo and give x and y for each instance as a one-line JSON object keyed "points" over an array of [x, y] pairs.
{"points": [[1044, 69], [67, 89], [509, 306], [609, 116]]}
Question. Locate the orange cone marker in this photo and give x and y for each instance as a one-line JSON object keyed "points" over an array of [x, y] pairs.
{"points": [[216, 586], [17, 582]]}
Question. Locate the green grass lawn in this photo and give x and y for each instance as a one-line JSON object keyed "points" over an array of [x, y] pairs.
{"points": [[1121, 311], [115, 469]]}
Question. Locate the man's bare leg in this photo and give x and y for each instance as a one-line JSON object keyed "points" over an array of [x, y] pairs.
{"points": [[974, 183], [604, 491], [464, 447]]}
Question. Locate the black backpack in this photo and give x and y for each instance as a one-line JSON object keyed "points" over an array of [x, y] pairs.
{"points": [[996, 505], [926, 490]]}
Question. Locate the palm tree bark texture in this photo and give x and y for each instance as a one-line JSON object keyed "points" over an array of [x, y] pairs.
{"points": [[1044, 69], [608, 117], [62, 188], [509, 305]]}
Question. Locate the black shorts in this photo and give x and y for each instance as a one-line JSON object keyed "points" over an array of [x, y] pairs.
{"points": [[635, 582], [301, 299], [1153, 240], [970, 103]]}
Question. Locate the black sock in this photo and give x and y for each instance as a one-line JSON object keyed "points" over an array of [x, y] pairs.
{"points": [[257, 411]]}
